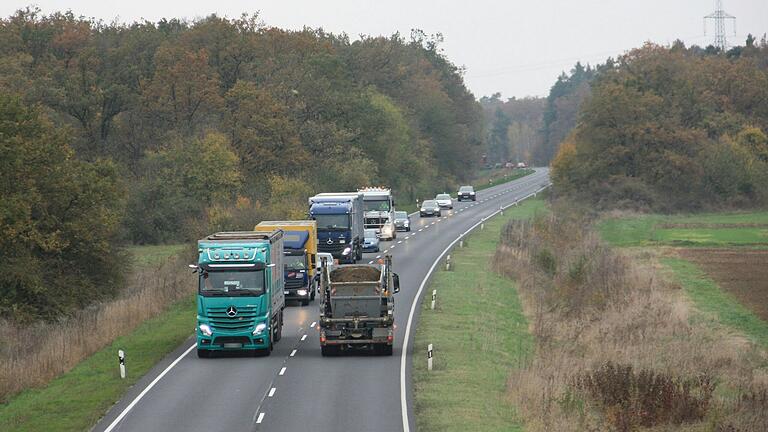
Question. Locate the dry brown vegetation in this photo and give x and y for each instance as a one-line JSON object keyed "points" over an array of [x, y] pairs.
{"points": [[617, 346], [33, 355]]}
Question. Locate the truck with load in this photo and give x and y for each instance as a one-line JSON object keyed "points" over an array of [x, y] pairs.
{"points": [[339, 218], [300, 248], [240, 297], [357, 307], [379, 207]]}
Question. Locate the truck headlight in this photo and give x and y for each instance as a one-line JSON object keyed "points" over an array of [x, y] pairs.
{"points": [[205, 329], [259, 329], [471, 193], [346, 251], [301, 292]]}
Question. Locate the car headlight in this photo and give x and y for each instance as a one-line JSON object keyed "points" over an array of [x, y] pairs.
{"points": [[471, 193], [301, 292], [205, 329], [346, 251], [406, 223], [259, 329]]}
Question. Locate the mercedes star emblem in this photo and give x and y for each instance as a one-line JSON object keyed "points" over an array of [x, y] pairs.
{"points": [[330, 241], [231, 311]]}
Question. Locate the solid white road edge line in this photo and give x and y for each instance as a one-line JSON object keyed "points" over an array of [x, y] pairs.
{"points": [[416, 302], [130, 406]]}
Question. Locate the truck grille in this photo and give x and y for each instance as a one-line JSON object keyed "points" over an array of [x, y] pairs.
{"points": [[335, 248], [294, 283], [231, 339], [219, 320], [375, 222]]}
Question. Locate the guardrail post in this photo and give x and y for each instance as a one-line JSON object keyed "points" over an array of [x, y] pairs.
{"points": [[429, 357], [121, 360], [434, 298]]}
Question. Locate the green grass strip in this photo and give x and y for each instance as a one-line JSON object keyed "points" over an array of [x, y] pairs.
{"points": [[709, 298], [76, 400], [479, 333]]}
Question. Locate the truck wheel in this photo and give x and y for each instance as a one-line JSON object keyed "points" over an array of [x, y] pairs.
{"points": [[382, 349], [279, 330], [203, 353], [329, 350]]}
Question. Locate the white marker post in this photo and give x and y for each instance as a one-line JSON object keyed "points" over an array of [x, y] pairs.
{"points": [[501, 210], [461, 243], [429, 357], [448, 263], [121, 359], [434, 297]]}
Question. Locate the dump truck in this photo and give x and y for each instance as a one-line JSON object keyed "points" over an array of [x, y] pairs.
{"points": [[357, 308], [300, 248], [240, 297], [340, 220]]}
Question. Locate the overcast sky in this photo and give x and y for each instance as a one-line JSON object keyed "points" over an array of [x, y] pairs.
{"points": [[514, 47]]}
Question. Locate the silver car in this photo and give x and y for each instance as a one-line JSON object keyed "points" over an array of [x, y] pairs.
{"points": [[444, 201]]}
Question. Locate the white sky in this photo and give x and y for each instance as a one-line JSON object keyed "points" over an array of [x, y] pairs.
{"points": [[514, 47]]}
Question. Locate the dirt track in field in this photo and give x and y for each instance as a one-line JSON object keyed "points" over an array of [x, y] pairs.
{"points": [[742, 272]]}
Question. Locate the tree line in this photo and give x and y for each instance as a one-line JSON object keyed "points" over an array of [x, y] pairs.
{"points": [[152, 132], [672, 129]]}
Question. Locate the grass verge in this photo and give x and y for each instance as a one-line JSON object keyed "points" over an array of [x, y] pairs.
{"points": [[714, 229], [709, 298], [145, 255], [478, 331], [77, 399]]}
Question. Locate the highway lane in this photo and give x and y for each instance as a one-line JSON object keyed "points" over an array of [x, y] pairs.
{"points": [[296, 389]]}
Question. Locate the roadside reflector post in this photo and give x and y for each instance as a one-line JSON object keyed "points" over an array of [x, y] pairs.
{"points": [[121, 360], [429, 357], [501, 210], [482, 226], [434, 297], [461, 243], [448, 263]]}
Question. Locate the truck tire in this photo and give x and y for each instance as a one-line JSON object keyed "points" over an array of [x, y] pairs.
{"points": [[279, 330], [329, 350], [382, 349], [203, 353]]}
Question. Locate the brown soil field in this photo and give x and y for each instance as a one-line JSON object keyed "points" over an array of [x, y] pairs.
{"points": [[742, 272]]}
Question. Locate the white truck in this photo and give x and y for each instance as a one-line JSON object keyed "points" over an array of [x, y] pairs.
{"points": [[379, 207]]}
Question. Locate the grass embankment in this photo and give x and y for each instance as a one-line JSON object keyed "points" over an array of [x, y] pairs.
{"points": [[478, 331], [716, 231], [141, 323], [146, 255]]}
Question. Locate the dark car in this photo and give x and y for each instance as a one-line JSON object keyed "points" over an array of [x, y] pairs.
{"points": [[466, 193], [430, 208], [402, 221]]}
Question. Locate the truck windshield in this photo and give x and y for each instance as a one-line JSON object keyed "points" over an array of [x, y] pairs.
{"points": [[232, 283], [378, 205], [295, 262], [332, 221]]}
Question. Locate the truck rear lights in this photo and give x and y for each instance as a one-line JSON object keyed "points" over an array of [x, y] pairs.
{"points": [[389, 338]]}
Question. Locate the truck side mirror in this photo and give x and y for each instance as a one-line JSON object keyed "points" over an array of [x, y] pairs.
{"points": [[396, 279], [194, 268]]}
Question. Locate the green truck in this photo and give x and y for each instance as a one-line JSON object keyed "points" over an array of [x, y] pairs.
{"points": [[240, 297], [357, 307]]}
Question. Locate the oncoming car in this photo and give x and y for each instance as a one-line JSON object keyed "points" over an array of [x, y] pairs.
{"points": [[402, 221], [430, 208], [466, 193], [444, 201]]}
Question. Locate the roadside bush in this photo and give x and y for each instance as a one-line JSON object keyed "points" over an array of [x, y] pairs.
{"points": [[645, 398]]}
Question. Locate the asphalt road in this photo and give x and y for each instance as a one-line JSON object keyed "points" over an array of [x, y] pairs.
{"points": [[296, 389]]}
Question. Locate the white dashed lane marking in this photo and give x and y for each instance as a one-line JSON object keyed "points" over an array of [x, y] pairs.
{"points": [[260, 419], [282, 371], [272, 391], [302, 338], [293, 353]]}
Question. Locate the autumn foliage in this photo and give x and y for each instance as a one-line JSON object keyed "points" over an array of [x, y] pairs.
{"points": [[672, 128]]}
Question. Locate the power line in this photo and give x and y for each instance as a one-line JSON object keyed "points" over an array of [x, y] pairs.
{"points": [[719, 16]]}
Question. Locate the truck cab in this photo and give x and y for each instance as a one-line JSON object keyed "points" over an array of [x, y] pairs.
{"points": [[240, 297], [300, 249], [379, 207], [339, 218]]}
